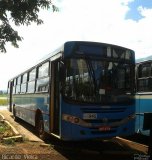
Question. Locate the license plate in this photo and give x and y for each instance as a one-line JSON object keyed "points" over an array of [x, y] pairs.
{"points": [[105, 128], [90, 116]]}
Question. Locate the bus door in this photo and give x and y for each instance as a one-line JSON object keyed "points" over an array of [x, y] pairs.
{"points": [[55, 97]]}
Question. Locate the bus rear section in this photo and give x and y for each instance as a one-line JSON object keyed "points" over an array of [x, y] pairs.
{"points": [[143, 94]]}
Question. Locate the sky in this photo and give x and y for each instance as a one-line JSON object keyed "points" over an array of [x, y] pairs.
{"points": [[126, 23]]}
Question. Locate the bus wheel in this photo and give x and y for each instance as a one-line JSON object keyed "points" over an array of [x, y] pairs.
{"points": [[14, 114], [40, 127]]}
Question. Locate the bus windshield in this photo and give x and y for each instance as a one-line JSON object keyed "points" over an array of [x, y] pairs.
{"points": [[97, 81]]}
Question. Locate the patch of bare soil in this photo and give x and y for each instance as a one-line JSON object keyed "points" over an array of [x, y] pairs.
{"points": [[29, 150]]}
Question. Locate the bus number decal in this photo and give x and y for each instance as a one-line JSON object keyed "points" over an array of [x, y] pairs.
{"points": [[90, 116]]}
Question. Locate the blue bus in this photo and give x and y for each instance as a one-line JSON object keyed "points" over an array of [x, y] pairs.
{"points": [[83, 90], [143, 92]]}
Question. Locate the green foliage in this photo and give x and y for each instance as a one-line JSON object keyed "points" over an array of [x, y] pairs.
{"points": [[3, 127], [9, 141], [6, 134], [3, 102], [21, 12], [3, 95]]}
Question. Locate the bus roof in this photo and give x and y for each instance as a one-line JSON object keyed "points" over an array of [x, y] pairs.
{"points": [[95, 43], [69, 45], [73, 43]]}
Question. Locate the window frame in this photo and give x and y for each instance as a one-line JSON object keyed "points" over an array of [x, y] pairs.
{"points": [[45, 88], [24, 83], [31, 88], [144, 78]]}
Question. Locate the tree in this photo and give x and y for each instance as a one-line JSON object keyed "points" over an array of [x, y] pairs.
{"points": [[21, 12]]}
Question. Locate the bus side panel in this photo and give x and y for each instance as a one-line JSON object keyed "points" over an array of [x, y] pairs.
{"points": [[27, 105], [44, 107], [137, 123], [145, 106], [25, 108]]}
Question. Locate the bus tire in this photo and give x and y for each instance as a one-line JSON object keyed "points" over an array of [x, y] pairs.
{"points": [[14, 113], [40, 127]]}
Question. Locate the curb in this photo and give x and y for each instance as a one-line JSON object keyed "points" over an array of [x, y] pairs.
{"points": [[13, 129], [3, 118], [17, 137]]}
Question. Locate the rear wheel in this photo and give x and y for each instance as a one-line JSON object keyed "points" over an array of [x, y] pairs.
{"points": [[40, 127], [14, 114]]}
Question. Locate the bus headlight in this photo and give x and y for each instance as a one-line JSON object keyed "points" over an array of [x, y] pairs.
{"points": [[75, 120], [71, 119], [130, 117]]}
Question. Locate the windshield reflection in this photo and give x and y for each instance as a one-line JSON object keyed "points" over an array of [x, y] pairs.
{"points": [[97, 81]]}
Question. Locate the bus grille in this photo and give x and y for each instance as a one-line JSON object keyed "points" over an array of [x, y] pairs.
{"points": [[99, 132], [101, 120], [103, 110]]}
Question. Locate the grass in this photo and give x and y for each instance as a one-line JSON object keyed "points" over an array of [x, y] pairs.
{"points": [[3, 100], [3, 127], [3, 95], [9, 141], [5, 130]]}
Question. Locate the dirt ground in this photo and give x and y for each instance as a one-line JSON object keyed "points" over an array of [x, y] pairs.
{"points": [[29, 150], [34, 148]]}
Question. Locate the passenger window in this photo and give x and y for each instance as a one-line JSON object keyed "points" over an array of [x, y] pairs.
{"points": [[32, 74], [19, 80], [145, 70], [18, 86], [42, 85], [23, 88], [14, 83], [8, 87], [24, 83], [17, 89], [24, 79], [31, 87], [14, 86], [145, 85], [31, 83], [43, 70], [141, 85]]}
